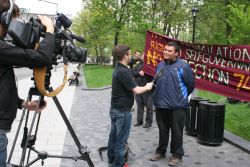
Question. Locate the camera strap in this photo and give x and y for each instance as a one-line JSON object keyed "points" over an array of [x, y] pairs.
{"points": [[39, 76]]}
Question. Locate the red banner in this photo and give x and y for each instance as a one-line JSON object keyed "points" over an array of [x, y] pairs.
{"points": [[222, 69]]}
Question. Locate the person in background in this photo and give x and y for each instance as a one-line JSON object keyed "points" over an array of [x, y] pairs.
{"points": [[145, 99], [133, 62], [135, 59], [171, 101], [16, 56], [122, 100]]}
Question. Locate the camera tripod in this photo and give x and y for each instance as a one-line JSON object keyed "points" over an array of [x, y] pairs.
{"points": [[29, 140]]}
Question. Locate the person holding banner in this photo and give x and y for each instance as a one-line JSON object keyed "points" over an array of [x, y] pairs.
{"points": [[134, 60], [122, 99], [145, 99], [172, 89]]}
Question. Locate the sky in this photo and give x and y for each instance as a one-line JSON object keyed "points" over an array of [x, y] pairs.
{"points": [[68, 7]]}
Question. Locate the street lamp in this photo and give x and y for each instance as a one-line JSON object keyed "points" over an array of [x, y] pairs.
{"points": [[51, 3], [194, 10]]}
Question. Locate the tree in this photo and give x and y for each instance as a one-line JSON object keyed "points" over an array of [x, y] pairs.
{"points": [[95, 28], [215, 21], [110, 22]]}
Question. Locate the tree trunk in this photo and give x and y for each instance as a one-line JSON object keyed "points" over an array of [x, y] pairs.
{"points": [[228, 27], [97, 56], [115, 44]]}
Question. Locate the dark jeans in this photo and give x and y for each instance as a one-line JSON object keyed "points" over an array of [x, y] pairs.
{"points": [[119, 134], [174, 120], [3, 149], [144, 100]]}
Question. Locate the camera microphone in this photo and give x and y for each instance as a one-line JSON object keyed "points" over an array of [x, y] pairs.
{"points": [[78, 38]]}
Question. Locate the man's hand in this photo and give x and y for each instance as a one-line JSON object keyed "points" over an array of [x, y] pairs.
{"points": [[32, 105], [149, 86], [141, 73], [47, 22]]}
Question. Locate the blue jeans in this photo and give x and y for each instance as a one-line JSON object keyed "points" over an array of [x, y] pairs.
{"points": [[3, 149], [119, 134]]}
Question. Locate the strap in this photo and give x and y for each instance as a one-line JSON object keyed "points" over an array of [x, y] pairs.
{"points": [[39, 76]]}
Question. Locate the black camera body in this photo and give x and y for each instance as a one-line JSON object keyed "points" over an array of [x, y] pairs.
{"points": [[27, 34]]}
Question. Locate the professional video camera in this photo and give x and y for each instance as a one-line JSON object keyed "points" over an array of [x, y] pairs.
{"points": [[27, 34]]}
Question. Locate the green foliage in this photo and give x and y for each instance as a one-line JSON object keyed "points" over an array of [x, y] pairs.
{"points": [[223, 22], [106, 23], [239, 19], [95, 27], [237, 115]]}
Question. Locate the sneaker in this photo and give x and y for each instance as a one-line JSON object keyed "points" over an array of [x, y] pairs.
{"points": [[125, 165], [175, 160], [157, 157]]}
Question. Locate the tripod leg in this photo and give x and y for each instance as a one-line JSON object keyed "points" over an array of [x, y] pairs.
{"points": [[82, 150], [29, 134], [34, 137], [18, 130]]}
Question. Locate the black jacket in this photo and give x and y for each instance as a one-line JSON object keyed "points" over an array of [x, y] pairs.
{"points": [[13, 55], [140, 80]]}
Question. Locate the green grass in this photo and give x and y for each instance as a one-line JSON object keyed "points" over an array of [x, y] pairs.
{"points": [[237, 115], [98, 76]]}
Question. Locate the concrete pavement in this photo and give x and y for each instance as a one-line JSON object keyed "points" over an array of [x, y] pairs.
{"points": [[88, 112]]}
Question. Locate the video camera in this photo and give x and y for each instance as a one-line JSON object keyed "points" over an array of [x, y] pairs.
{"points": [[27, 34]]}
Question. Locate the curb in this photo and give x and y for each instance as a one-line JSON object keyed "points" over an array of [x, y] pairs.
{"points": [[237, 141]]}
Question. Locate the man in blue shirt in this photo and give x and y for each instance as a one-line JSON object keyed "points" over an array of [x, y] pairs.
{"points": [[171, 101]]}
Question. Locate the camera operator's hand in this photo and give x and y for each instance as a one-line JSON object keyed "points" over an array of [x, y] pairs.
{"points": [[32, 105], [47, 22]]}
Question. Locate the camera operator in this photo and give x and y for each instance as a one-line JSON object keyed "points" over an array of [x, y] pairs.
{"points": [[16, 56]]}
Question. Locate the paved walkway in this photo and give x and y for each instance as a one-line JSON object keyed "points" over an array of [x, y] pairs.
{"points": [[88, 112]]}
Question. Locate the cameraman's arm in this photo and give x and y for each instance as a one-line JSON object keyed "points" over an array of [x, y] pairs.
{"points": [[14, 55]]}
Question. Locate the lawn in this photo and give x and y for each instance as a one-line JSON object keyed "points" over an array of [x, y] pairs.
{"points": [[98, 76], [237, 115]]}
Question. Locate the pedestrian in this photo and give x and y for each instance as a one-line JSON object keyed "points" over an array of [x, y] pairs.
{"points": [[145, 99], [133, 62], [135, 59], [122, 99], [171, 101], [10, 56]]}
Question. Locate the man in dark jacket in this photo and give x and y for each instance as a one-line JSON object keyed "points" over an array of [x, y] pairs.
{"points": [[13, 55], [134, 60], [171, 101], [145, 99]]}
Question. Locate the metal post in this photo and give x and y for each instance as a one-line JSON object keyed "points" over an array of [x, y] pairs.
{"points": [[194, 12], [194, 19]]}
